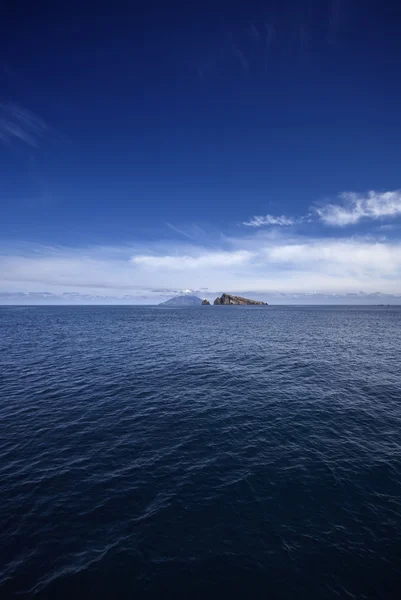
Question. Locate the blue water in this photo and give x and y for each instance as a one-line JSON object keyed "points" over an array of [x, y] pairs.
{"points": [[214, 452]]}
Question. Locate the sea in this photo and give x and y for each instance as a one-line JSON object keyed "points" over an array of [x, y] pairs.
{"points": [[211, 452]]}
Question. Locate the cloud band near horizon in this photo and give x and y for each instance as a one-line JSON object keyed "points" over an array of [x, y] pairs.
{"points": [[263, 264]]}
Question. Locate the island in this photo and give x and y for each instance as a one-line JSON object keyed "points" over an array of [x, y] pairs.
{"points": [[183, 300], [225, 299], [228, 299]]}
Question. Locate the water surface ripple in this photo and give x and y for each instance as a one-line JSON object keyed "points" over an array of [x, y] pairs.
{"points": [[153, 452]]}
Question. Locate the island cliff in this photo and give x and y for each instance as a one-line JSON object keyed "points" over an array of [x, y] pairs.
{"points": [[228, 299], [205, 302]]}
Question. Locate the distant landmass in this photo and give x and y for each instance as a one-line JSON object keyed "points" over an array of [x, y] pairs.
{"points": [[228, 299], [183, 301]]}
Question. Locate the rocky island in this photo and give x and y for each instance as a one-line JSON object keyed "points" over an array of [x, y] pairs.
{"points": [[228, 299], [183, 300]]}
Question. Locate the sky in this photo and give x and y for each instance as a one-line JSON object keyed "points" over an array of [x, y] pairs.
{"points": [[160, 148]]}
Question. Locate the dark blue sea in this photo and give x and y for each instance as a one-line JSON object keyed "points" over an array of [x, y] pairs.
{"points": [[213, 452]]}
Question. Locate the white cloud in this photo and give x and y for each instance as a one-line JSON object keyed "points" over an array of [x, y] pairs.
{"points": [[357, 257], [281, 221], [183, 262], [354, 208], [350, 210]]}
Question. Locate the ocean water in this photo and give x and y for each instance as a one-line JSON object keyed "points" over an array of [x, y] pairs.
{"points": [[214, 452]]}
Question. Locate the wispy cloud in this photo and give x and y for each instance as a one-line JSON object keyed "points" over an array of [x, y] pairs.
{"points": [[269, 36], [253, 31], [240, 56], [180, 231], [354, 208], [259, 221], [335, 7], [191, 231], [17, 123]]}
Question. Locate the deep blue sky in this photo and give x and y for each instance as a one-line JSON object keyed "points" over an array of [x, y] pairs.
{"points": [[206, 113]]}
